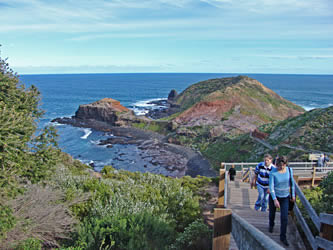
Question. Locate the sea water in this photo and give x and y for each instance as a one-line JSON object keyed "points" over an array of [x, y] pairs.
{"points": [[63, 93]]}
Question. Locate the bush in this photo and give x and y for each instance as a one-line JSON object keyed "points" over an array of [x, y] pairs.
{"points": [[7, 220], [197, 236], [131, 231], [29, 244]]}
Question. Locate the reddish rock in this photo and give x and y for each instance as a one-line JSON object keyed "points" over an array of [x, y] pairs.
{"points": [[106, 110], [204, 113], [258, 134]]}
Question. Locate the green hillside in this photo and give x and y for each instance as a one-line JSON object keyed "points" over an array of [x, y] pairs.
{"points": [[295, 137]]}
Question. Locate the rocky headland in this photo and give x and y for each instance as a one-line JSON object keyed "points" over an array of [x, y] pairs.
{"points": [[206, 112], [109, 115]]}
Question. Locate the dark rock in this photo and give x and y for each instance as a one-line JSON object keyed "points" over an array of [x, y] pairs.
{"points": [[172, 95]]}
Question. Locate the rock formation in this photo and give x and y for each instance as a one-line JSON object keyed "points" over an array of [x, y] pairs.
{"points": [[233, 105], [105, 110], [172, 95]]}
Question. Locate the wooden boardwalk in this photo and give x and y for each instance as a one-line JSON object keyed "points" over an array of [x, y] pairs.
{"points": [[241, 199]]}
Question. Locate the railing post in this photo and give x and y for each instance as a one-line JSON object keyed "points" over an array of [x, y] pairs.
{"points": [[222, 228], [242, 170], [313, 176], [326, 231], [221, 196], [250, 178]]}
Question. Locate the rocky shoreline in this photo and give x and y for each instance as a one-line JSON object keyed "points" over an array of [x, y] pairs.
{"points": [[176, 160]]}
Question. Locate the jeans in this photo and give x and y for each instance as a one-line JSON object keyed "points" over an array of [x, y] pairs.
{"points": [[262, 199], [284, 205]]}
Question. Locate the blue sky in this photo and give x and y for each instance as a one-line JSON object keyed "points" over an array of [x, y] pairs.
{"points": [[221, 36]]}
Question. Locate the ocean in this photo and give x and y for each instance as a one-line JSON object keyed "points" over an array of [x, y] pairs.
{"points": [[63, 93]]}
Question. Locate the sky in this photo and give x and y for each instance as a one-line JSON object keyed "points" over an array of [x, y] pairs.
{"points": [[129, 36]]}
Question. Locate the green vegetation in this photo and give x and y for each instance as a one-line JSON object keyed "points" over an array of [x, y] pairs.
{"points": [[24, 155], [161, 127], [49, 200], [320, 198]]}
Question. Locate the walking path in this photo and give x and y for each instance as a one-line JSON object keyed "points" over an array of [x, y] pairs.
{"points": [[241, 199]]}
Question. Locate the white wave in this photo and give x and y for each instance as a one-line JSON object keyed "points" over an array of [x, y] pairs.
{"points": [[308, 108], [56, 124], [146, 103], [95, 142], [87, 132], [140, 111]]}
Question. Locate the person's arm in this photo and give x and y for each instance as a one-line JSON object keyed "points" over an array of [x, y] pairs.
{"points": [[254, 180], [272, 192], [292, 185]]}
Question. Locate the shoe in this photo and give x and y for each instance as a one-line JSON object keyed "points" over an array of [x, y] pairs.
{"points": [[270, 229], [285, 242]]}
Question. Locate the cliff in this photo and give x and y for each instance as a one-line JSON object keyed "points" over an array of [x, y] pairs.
{"points": [[105, 110]]}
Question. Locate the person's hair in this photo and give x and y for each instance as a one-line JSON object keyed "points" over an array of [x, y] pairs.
{"points": [[268, 156], [282, 159]]}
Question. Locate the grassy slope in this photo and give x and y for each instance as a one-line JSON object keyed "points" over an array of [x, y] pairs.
{"points": [[312, 131]]}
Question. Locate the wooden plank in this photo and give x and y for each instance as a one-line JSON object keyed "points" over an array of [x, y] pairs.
{"points": [[222, 228], [305, 227], [323, 243], [326, 218], [313, 215]]}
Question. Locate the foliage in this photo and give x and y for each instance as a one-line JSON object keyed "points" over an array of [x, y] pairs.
{"points": [[7, 220], [320, 198], [327, 186], [29, 244], [24, 155], [125, 231], [196, 236], [122, 196]]}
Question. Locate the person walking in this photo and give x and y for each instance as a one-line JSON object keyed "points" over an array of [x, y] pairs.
{"points": [[261, 179], [321, 162], [232, 173], [279, 186]]}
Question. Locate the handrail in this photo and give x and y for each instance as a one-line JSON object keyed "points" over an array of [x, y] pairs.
{"points": [[249, 237]]}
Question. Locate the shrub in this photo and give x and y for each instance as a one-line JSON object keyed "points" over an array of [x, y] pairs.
{"points": [[127, 231], [197, 236], [40, 214], [7, 220], [29, 244]]}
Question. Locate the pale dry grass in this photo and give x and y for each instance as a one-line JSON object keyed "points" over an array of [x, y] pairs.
{"points": [[42, 214]]}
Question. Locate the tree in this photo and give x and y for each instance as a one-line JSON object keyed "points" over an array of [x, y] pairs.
{"points": [[24, 154]]}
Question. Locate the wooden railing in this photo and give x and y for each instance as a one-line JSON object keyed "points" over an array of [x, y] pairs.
{"points": [[323, 223], [307, 172], [247, 236], [226, 222]]}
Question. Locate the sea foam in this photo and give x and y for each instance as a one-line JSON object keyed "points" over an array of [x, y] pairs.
{"points": [[87, 132]]}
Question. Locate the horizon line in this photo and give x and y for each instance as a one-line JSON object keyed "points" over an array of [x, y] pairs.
{"points": [[235, 73]]}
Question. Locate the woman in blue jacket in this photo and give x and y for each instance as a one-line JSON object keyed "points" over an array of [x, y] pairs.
{"points": [[279, 187]]}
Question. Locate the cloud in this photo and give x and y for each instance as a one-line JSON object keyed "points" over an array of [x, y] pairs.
{"points": [[91, 69], [268, 7]]}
